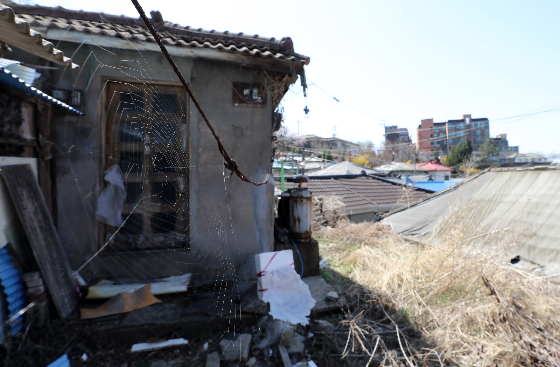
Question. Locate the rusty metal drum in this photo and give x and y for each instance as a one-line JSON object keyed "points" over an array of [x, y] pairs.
{"points": [[301, 214]]}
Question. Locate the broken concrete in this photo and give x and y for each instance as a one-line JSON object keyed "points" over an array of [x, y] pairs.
{"points": [[213, 360], [297, 346], [319, 289], [238, 350]]}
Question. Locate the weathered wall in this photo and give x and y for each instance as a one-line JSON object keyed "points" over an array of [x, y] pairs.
{"points": [[228, 220]]}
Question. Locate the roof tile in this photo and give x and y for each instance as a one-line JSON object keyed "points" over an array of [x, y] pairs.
{"points": [[172, 34]]}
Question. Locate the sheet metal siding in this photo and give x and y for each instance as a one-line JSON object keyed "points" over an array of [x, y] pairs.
{"points": [[13, 287], [9, 78]]}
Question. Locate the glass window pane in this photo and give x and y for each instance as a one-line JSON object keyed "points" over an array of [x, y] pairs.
{"points": [[164, 133], [130, 132], [132, 225], [163, 192], [133, 192], [164, 163], [130, 162], [165, 103], [163, 223], [131, 102]]}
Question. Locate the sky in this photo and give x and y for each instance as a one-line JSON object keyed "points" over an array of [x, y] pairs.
{"points": [[398, 62]]}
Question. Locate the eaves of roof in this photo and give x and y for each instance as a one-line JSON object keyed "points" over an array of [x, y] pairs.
{"points": [[12, 80], [18, 33], [133, 29]]}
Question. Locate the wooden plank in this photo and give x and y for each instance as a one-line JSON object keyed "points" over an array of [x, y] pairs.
{"points": [[285, 357], [41, 233]]}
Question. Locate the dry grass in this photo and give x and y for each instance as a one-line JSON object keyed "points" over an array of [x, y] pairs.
{"points": [[470, 308]]}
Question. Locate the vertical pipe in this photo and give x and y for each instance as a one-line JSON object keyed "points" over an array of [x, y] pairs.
{"points": [[282, 175]]}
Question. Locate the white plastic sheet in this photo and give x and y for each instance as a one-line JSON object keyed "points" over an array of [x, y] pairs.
{"points": [[111, 200], [289, 297]]}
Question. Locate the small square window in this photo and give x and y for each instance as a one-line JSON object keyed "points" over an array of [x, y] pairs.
{"points": [[248, 95]]}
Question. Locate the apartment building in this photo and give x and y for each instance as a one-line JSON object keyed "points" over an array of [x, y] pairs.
{"points": [[443, 136], [503, 146], [395, 135]]}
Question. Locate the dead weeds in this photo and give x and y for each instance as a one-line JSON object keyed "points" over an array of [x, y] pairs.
{"points": [[472, 309]]}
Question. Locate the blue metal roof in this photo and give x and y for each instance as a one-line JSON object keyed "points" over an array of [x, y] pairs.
{"points": [[9, 78], [434, 185], [10, 279]]}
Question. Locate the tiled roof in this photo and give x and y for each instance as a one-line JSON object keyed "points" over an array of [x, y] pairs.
{"points": [[366, 191], [434, 166], [133, 29], [14, 28]]}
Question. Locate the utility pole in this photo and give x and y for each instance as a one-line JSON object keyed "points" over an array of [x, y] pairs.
{"points": [[298, 128], [334, 133]]}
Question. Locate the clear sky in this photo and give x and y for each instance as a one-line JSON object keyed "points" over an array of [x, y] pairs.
{"points": [[401, 61]]}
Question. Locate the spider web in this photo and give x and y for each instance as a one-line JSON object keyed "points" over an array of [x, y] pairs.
{"points": [[143, 126]]}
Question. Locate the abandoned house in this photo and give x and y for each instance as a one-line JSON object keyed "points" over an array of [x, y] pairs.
{"points": [[126, 108]]}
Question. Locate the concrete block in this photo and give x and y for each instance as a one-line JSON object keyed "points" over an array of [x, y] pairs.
{"points": [[286, 336], [297, 346], [213, 360], [34, 283], [237, 350], [31, 276], [36, 290]]}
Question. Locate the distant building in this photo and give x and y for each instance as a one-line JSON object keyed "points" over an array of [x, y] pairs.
{"points": [[503, 146], [438, 172], [443, 136], [529, 158], [316, 144], [395, 135]]}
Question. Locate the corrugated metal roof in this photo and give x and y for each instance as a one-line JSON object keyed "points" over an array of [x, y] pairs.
{"points": [[14, 290], [9, 78], [525, 200]]}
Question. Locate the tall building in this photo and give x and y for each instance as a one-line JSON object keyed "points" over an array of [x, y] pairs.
{"points": [[443, 136], [395, 135]]}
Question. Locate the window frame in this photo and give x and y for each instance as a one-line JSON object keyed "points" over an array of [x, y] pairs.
{"points": [[109, 138]]}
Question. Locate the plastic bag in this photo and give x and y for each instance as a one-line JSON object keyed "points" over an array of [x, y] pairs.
{"points": [[111, 200], [289, 297]]}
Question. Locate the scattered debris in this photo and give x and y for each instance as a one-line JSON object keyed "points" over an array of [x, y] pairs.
{"points": [[324, 264], [213, 360], [61, 362], [84, 357], [332, 295], [297, 346], [121, 303], [238, 350], [146, 347], [275, 331], [108, 289], [285, 357], [251, 362], [324, 326]]}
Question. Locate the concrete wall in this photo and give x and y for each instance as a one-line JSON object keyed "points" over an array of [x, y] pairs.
{"points": [[229, 221]]}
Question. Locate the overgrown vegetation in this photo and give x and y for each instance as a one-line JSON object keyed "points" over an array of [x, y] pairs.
{"points": [[459, 153], [469, 308]]}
